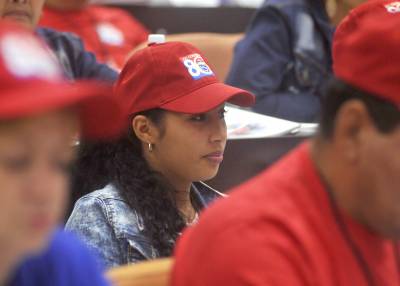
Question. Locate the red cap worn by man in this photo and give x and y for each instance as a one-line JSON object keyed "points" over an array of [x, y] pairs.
{"points": [[329, 212]]}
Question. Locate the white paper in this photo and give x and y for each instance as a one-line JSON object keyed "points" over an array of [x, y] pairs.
{"points": [[243, 124]]}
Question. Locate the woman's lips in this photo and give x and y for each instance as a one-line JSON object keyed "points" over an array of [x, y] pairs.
{"points": [[215, 157]]}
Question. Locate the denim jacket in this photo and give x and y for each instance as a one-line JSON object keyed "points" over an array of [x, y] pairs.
{"points": [[77, 63], [284, 58], [107, 224]]}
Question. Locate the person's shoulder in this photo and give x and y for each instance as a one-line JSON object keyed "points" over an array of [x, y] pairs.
{"points": [[124, 220], [66, 261], [107, 13], [78, 63], [74, 259], [268, 195], [60, 40], [122, 20], [66, 244], [107, 201], [51, 34], [61, 245], [283, 4], [261, 224], [108, 192]]}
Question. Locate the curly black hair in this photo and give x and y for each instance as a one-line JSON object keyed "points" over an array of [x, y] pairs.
{"points": [[145, 190]]}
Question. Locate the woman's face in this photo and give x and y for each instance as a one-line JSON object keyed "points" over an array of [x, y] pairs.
{"points": [[191, 147], [35, 155]]}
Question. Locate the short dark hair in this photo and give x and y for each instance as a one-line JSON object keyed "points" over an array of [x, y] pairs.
{"points": [[384, 114]]}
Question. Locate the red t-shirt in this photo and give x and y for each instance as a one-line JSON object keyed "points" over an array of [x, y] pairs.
{"points": [[279, 229], [110, 33]]}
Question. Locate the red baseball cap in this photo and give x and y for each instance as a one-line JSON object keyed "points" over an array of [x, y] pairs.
{"points": [[366, 49], [174, 76], [31, 83]]}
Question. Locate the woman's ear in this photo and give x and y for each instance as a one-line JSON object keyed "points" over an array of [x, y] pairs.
{"points": [[144, 129]]}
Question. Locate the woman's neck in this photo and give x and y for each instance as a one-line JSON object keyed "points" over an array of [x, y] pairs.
{"points": [[181, 186], [184, 205], [182, 198]]}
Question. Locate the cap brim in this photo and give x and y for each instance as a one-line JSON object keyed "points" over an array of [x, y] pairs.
{"points": [[209, 97], [100, 115]]}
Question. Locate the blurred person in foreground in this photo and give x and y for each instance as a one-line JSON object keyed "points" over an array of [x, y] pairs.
{"points": [[329, 212], [40, 115], [75, 60], [108, 32]]}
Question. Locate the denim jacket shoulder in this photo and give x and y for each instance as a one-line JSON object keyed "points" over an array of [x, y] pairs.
{"points": [[105, 222], [110, 227]]}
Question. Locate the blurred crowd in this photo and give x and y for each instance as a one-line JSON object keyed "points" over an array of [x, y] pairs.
{"points": [[109, 135]]}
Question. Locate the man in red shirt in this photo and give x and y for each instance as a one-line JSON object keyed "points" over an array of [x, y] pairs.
{"points": [[329, 212], [110, 33]]}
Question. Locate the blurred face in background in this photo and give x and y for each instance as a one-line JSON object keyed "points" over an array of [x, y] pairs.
{"points": [[379, 181], [35, 156], [364, 166], [26, 12]]}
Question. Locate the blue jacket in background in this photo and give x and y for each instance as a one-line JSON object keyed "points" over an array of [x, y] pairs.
{"points": [[76, 62], [65, 262], [284, 58]]}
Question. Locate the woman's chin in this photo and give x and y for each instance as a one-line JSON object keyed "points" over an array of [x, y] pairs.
{"points": [[209, 175]]}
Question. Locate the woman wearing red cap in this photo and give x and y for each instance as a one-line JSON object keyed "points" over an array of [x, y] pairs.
{"points": [[40, 114], [175, 139]]}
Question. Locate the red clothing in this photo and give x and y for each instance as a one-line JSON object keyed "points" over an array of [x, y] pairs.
{"points": [[279, 229], [110, 33]]}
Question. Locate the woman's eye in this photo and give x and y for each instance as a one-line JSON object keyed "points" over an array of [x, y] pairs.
{"points": [[222, 113], [198, 117]]}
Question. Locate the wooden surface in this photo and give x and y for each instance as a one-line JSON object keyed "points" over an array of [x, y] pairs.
{"points": [[149, 273]]}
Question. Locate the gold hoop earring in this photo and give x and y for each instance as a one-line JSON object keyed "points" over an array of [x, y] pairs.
{"points": [[150, 147]]}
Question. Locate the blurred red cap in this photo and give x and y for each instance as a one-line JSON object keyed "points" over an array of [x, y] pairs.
{"points": [[31, 82], [366, 49]]}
